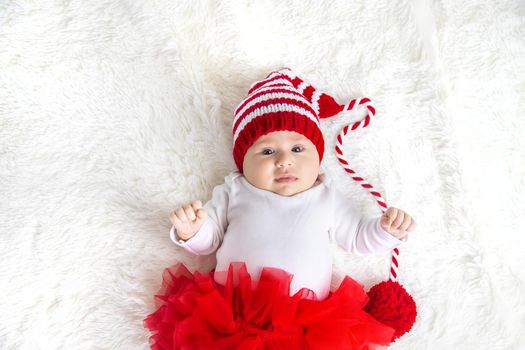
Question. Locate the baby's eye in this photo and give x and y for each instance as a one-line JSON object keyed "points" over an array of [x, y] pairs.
{"points": [[267, 151], [297, 149]]}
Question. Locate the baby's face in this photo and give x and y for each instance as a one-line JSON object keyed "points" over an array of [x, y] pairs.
{"points": [[283, 162]]}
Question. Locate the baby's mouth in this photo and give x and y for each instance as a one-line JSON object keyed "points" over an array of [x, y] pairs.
{"points": [[285, 179]]}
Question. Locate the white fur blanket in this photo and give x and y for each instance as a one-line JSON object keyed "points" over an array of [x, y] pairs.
{"points": [[113, 113]]}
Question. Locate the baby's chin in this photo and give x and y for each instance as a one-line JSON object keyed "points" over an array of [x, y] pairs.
{"points": [[286, 193], [291, 189]]}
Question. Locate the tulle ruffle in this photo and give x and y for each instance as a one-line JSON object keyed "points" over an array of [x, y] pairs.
{"points": [[195, 312]]}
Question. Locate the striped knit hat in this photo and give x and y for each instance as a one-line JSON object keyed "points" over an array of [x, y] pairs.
{"points": [[282, 101]]}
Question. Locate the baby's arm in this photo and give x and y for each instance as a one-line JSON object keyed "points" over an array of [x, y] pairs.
{"points": [[356, 234], [200, 230]]}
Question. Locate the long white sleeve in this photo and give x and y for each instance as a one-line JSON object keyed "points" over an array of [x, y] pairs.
{"points": [[211, 234], [356, 234]]}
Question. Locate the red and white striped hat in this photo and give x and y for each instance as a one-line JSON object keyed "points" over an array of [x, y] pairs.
{"points": [[282, 101]]}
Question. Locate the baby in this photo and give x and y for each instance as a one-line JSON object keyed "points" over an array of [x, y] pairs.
{"points": [[279, 212], [275, 214]]}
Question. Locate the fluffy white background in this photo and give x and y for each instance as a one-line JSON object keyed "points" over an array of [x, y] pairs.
{"points": [[113, 113]]}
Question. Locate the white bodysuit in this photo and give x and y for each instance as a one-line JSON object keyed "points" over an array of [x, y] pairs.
{"points": [[265, 229]]}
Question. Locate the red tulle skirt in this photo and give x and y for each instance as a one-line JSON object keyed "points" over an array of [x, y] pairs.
{"points": [[195, 312]]}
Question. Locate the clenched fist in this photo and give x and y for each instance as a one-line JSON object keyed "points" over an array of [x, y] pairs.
{"points": [[397, 222], [188, 219]]}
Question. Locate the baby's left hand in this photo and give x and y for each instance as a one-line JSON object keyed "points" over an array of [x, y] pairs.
{"points": [[397, 222]]}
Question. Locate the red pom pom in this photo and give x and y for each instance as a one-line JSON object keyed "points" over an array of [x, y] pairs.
{"points": [[391, 304]]}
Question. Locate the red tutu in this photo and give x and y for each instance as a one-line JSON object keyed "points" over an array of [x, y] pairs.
{"points": [[195, 312]]}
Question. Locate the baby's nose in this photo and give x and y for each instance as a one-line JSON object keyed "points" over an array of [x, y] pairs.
{"points": [[284, 160]]}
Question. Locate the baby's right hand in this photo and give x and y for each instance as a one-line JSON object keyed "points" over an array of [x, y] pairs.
{"points": [[188, 219]]}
